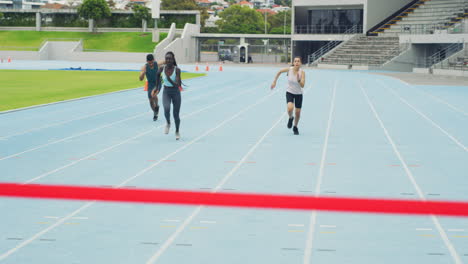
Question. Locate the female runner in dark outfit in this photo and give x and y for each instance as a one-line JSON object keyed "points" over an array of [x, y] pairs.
{"points": [[171, 80]]}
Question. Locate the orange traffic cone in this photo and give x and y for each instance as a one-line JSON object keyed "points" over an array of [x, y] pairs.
{"points": [[196, 67], [9, 59], [207, 67], [146, 86], [220, 67]]}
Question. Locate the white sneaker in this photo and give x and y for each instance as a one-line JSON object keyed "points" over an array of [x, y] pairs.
{"points": [[177, 135], [166, 130]]}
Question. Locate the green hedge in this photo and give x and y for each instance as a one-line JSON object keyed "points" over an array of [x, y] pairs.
{"points": [[18, 20], [63, 20], [120, 21]]}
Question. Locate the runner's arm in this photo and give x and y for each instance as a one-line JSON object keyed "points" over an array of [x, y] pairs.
{"points": [[302, 81], [142, 73], [273, 85], [178, 77]]}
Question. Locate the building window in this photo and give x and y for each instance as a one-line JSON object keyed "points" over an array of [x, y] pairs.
{"points": [[333, 21]]}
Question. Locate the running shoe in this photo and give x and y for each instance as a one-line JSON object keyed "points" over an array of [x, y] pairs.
{"points": [[290, 121], [177, 135], [166, 129], [295, 130]]}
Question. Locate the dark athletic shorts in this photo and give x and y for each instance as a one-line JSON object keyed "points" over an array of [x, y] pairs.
{"points": [[294, 98], [150, 89]]}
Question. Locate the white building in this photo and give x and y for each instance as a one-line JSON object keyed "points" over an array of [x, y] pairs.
{"points": [[246, 3], [316, 22], [211, 21], [281, 8], [22, 4], [263, 3]]}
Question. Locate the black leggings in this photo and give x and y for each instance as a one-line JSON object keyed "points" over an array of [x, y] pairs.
{"points": [[172, 95]]}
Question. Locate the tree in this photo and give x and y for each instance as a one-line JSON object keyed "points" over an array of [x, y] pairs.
{"points": [[278, 24], [142, 13], [179, 5], [238, 19], [185, 5], [94, 9]]}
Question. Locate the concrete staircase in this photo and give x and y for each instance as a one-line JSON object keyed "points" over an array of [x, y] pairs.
{"points": [[426, 17], [364, 50]]}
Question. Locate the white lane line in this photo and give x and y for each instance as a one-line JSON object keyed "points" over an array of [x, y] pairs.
{"points": [[327, 226], [436, 222], [73, 136], [456, 141], [424, 229], [132, 96], [197, 210], [79, 210], [313, 216], [296, 225], [64, 101], [456, 109], [96, 129], [52, 217], [80, 98], [456, 230], [39, 234], [67, 110], [129, 140], [208, 222], [171, 220], [196, 139], [69, 121]]}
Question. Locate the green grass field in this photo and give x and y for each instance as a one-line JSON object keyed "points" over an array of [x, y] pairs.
{"points": [[109, 41], [20, 88]]}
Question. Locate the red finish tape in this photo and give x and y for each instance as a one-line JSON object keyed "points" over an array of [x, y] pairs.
{"points": [[270, 201]]}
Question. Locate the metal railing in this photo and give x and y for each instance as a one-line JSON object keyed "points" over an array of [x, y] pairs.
{"points": [[327, 29], [439, 56], [449, 21], [458, 61], [384, 23], [448, 18], [428, 29], [312, 58], [271, 53]]}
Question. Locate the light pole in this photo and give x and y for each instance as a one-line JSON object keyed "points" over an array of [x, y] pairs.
{"points": [[155, 14], [284, 23], [265, 22]]}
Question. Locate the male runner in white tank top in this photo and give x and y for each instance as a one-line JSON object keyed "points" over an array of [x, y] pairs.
{"points": [[296, 82]]}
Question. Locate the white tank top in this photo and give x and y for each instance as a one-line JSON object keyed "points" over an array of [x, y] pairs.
{"points": [[293, 81]]}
